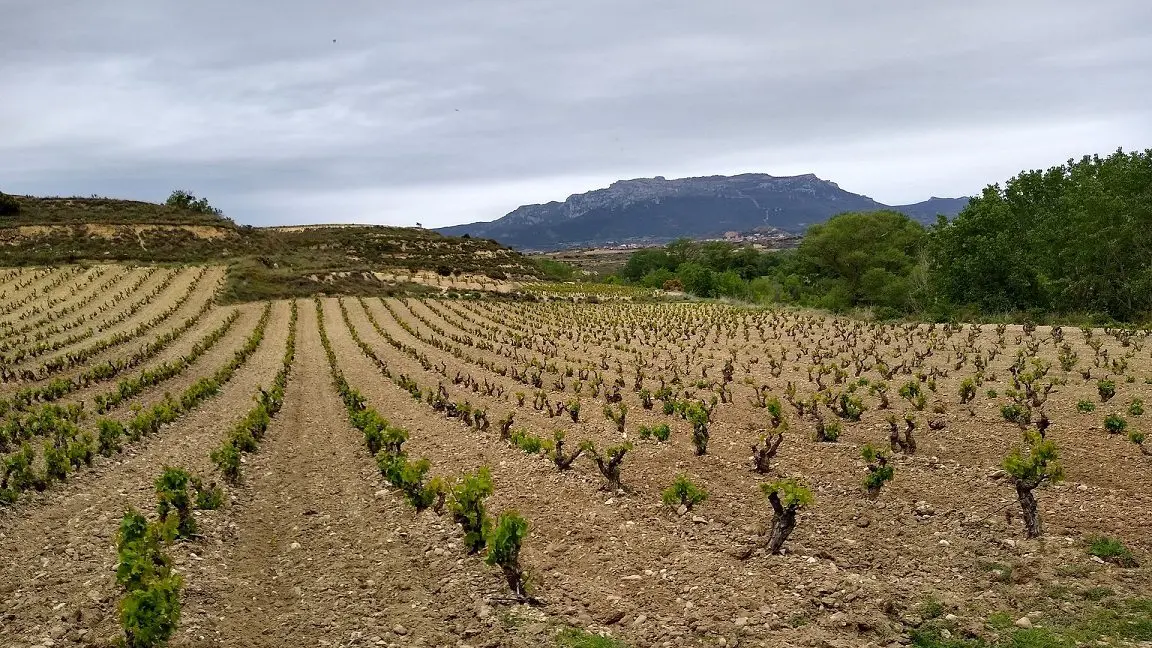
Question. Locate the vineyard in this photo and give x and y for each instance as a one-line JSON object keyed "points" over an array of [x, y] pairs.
{"points": [[586, 470]]}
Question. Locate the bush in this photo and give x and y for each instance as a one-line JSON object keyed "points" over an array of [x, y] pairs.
{"points": [[1106, 389], [227, 459], [110, 433], [699, 416], [967, 390], [828, 432], [1016, 413], [1115, 424], [609, 462], [467, 507], [1136, 407], [411, 478], [504, 543], [1030, 466], [879, 471], [172, 496], [56, 463], [8, 205], [150, 609], [187, 200], [527, 441], [1085, 406], [683, 492], [208, 498]]}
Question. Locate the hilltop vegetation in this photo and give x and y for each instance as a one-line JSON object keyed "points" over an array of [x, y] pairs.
{"points": [[1071, 241], [263, 262]]}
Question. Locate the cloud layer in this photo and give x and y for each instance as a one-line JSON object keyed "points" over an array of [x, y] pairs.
{"points": [[448, 112]]}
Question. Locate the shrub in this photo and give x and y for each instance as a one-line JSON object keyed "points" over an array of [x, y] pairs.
{"points": [[850, 407], [683, 492], [504, 541], [879, 471], [617, 416], [1112, 550], [1085, 406], [8, 205], [467, 506], [172, 496], [562, 461], [609, 462], [1137, 437], [699, 416], [208, 498], [527, 441], [1106, 389], [150, 609], [967, 390], [110, 432], [227, 459], [187, 200], [1115, 424], [764, 450], [1016, 413], [1030, 466], [787, 497], [411, 478], [828, 432], [1136, 407]]}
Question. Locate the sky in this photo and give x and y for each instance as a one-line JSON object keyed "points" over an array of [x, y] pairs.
{"points": [[398, 112]]}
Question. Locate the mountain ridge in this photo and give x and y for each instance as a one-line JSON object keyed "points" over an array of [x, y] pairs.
{"points": [[658, 209]]}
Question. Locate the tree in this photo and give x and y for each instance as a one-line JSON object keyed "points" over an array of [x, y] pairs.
{"points": [[864, 258], [8, 205], [643, 262], [1072, 238], [187, 200], [697, 279], [1029, 467]]}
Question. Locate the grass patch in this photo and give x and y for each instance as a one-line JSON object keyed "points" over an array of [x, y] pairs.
{"points": [[574, 638], [931, 608], [999, 572], [1112, 550], [1097, 593], [1129, 620]]}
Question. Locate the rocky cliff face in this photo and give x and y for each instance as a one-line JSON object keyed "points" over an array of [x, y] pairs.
{"points": [[658, 210]]}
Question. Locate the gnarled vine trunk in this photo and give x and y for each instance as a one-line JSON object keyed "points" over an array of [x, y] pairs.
{"points": [[783, 522], [1030, 509]]}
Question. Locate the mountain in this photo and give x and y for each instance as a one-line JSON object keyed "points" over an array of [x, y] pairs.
{"points": [[655, 210], [926, 211]]}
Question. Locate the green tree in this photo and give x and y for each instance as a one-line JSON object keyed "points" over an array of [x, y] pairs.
{"points": [[643, 262], [697, 279], [1072, 238], [182, 199], [863, 258]]}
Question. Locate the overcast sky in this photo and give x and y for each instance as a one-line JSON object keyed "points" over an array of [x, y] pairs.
{"points": [[450, 111]]}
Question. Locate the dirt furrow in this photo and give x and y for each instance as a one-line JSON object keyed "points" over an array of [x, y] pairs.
{"points": [[317, 552]]}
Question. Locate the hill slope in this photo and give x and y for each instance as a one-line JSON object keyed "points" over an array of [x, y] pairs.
{"points": [[263, 261], [658, 210]]}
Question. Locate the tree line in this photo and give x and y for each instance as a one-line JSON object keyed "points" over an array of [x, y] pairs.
{"points": [[1072, 241]]}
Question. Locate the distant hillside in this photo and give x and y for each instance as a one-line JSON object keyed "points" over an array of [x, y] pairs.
{"points": [[656, 210], [264, 261], [927, 211]]}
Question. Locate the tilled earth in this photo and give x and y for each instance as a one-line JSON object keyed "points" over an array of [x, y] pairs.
{"points": [[314, 548]]}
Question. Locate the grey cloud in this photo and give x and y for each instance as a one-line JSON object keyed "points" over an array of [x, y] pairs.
{"points": [[452, 111]]}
